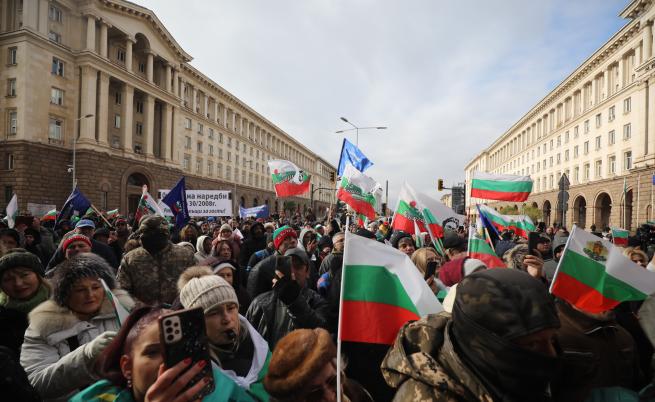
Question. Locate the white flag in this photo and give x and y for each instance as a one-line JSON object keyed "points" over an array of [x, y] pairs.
{"points": [[12, 211]]}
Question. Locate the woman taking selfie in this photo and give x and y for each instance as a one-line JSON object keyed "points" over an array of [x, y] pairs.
{"points": [[132, 369], [67, 333]]}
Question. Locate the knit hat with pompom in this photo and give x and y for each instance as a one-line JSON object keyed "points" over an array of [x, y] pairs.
{"points": [[200, 287]]}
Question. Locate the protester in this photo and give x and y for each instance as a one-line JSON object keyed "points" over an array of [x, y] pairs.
{"points": [[150, 272], [338, 241], [67, 333], [189, 233], [544, 246], [230, 272], [290, 304], [426, 257], [550, 266], [260, 255], [498, 345], [9, 238], [103, 235], [84, 227], [304, 368], [23, 288], [261, 275], [637, 256], [132, 369], [33, 244], [255, 242], [234, 344], [74, 244], [404, 242], [519, 258], [204, 247]]}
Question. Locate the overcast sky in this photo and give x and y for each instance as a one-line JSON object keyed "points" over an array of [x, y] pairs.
{"points": [[446, 77]]}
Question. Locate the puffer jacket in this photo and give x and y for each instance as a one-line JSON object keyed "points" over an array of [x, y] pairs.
{"points": [[53, 351], [274, 319], [152, 279], [261, 276], [423, 365]]}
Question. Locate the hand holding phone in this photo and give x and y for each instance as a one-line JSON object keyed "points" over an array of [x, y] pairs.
{"points": [[533, 240], [430, 269]]}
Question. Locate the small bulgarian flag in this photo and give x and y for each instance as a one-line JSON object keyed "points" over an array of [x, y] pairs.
{"points": [[112, 214], [407, 211], [502, 187], [620, 237], [381, 290], [50, 216], [595, 276], [478, 248], [287, 178], [356, 190], [519, 224]]}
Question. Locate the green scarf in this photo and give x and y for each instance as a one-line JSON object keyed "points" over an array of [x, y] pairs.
{"points": [[25, 306]]}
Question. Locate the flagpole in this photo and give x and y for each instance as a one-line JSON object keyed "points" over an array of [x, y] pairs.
{"points": [[638, 198], [100, 215], [343, 281]]}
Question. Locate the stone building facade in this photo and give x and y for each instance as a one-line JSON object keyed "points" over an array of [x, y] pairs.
{"points": [[597, 127], [105, 78]]}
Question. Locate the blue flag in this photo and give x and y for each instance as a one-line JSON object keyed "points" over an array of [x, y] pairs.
{"points": [[176, 201], [76, 205], [494, 236], [353, 155], [260, 211]]}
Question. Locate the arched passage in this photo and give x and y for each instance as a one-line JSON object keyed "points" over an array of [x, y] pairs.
{"points": [[132, 182], [546, 212], [255, 202], [580, 211], [242, 202], [603, 210]]}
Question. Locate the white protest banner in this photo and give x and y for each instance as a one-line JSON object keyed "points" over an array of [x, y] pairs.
{"points": [[203, 203], [40, 209]]}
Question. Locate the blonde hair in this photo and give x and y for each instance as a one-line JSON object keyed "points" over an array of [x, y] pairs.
{"points": [[630, 251], [420, 258]]}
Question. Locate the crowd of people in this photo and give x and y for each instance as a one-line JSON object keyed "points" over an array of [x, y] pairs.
{"points": [[270, 289]]}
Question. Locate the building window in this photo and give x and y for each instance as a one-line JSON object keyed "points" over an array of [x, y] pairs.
{"points": [[586, 126], [598, 167], [627, 105], [187, 142], [187, 123], [576, 174], [220, 153], [54, 129], [598, 120], [139, 128], [575, 132], [54, 14], [551, 161], [586, 171], [56, 96], [199, 166], [210, 168], [117, 121], [598, 139], [244, 147], [11, 87], [199, 147], [228, 172], [211, 133], [611, 164], [9, 193], [138, 149], [576, 151], [139, 107], [57, 67], [611, 113], [229, 142], [586, 147], [229, 156], [211, 150], [54, 36], [186, 162], [559, 158], [627, 132], [118, 98], [566, 155], [611, 138], [12, 56], [219, 170], [120, 55], [559, 140], [10, 162], [627, 160], [200, 128], [142, 67], [13, 122], [220, 138]]}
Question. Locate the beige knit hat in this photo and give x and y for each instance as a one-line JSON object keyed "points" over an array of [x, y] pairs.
{"points": [[200, 287]]}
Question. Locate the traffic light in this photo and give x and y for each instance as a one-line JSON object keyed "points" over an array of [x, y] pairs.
{"points": [[440, 184], [332, 176]]}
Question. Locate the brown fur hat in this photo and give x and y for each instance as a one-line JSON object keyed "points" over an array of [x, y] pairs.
{"points": [[298, 357]]}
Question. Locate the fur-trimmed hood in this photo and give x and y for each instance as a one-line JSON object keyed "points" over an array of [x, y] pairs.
{"points": [[49, 317]]}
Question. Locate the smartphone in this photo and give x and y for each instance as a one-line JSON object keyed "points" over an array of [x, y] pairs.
{"points": [[183, 335], [533, 240], [430, 269]]}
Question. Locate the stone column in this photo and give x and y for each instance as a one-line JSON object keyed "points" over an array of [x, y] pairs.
{"points": [[128, 54], [150, 66], [176, 85], [43, 16], [206, 105], [650, 134], [149, 110], [620, 79], [215, 117], [181, 90], [103, 109], [103, 39], [88, 103], [194, 101], [90, 33], [30, 14], [167, 85], [167, 131], [648, 41], [594, 90], [127, 110], [225, 115]]}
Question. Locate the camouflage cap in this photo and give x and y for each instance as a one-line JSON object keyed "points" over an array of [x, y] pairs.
{"points": [[153, 223]]}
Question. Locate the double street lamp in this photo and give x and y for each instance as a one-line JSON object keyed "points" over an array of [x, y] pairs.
{"points": [[73, 168], [356, 128]]}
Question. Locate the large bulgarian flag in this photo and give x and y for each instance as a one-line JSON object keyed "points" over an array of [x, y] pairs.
{"points": [[479, 248], [438, 216], [595, 276], [288, 179], [356, 189], [381, 290], [620, 237], [502, 187], [50, 216], [408, 211]]}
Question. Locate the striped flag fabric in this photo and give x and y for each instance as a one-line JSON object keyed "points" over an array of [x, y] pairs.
{"points": [[288, 179], [501, 187], [519, 224], [595, 276], [407, 211], [50, 216], [356, 189], [381, 291], [121, 311], [479, 248], [147, 206], [620, 237]]}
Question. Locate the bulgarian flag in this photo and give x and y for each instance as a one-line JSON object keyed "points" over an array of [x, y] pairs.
{"points": [[502, 187], [438, 216], [381, 290], [620, 237], [112, 214], [288, 179], [479, 248], [595, 276], [407, 211], [356, 190], [50, 216], [12, 211], [519, 224], [147, 206]]}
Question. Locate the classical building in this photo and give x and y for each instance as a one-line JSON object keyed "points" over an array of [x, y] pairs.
{"points": [[104, 82], [597, 127]]}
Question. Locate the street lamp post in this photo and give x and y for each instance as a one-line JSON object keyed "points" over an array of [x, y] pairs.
{"points": [[74, 168], [356, 128]]}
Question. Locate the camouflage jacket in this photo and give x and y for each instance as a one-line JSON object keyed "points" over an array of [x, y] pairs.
{"points": [[152, 279], [423, 366]]}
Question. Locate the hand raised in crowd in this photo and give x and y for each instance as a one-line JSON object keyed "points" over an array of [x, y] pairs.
{"points": [[534, 265], [171, 382], [93, 349], [432, 284]]}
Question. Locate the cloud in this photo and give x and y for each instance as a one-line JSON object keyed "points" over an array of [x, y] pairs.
{"points": [[446, 77]]}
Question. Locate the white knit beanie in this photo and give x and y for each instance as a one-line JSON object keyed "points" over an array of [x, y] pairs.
{"points": [[472, 265], [199, 287]]}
